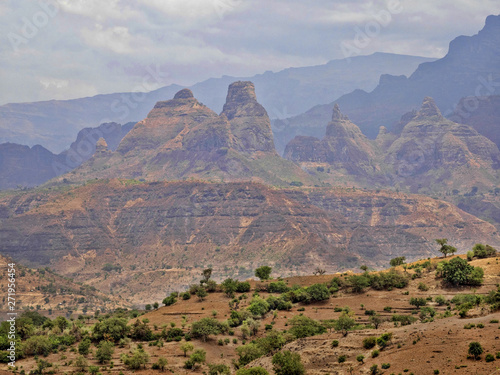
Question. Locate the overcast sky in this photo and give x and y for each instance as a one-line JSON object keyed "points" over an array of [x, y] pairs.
{"points": [[63, 49]]}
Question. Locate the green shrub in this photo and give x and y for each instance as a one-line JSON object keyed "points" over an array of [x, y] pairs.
{"points": [[278, 287], [458, 272], [303, 326], [252, 371], [342, 358], [489, 358], [375, 353], [360, 358], [335, 343], [369, 342], [475, 349], [287, 363], [318, 292], [440, 300], [385, 366], [423, 287], [483, 251], [105, 351]]}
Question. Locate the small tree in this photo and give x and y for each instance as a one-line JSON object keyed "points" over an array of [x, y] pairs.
{"points": [[445, 248], [156, 305], [205, 327], [364, 268], [287, 363], [344, 323], [263, 273], [84, 346], [139, 358], [398, 261], [376, 320], [207, 273], [187, 347], [201, 293], [105, 351], [81, 363], [162, 363], [475, 349], [218, 369], [458, 272], [229, 286], [418, 302]]}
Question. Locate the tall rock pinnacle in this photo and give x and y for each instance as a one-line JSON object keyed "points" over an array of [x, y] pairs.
{"points": [[249, 121]]}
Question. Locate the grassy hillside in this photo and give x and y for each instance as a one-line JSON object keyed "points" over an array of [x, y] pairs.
{"points": [[344, 324]]}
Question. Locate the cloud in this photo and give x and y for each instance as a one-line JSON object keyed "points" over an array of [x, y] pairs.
{"points": [[106, 46]]}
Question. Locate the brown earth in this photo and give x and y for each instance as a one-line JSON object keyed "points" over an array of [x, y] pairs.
{"points": [[420, 347], [161, 235], [52, 294]]}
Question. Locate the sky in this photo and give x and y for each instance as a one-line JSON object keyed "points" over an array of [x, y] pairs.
{"points": [[65, 49]]}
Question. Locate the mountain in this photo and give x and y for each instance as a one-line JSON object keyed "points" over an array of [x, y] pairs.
{"points": [[22, 166], [482, 113], [343, 147], [55, 124], [25, 166], [429, 154], [471, 66], [182, 138], [162, 234]]}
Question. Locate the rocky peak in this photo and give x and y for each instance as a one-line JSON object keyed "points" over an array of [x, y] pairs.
{"points": [[429, 109], [341, 126], [337, 115], [492, 25], [241, 100], [184, 94], [101, 146], [249, 121]]}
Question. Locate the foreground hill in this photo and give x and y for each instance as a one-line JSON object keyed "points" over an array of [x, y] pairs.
{"points": [[161, 234], [471, 67], [331, 323]]}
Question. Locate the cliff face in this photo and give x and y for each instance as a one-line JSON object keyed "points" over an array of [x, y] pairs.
{"points": [[25, 166], [182, 138], [159, 228], [482, 113], [249, 121]]}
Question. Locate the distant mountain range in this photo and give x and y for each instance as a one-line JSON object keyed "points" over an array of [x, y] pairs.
{"points": [[25, 167], [54, 124], [470, 68]]}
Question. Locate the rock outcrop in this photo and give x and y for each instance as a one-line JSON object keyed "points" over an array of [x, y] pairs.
{"points": [[428, 154], [249, 121], [343, 147], [181, 138]]}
